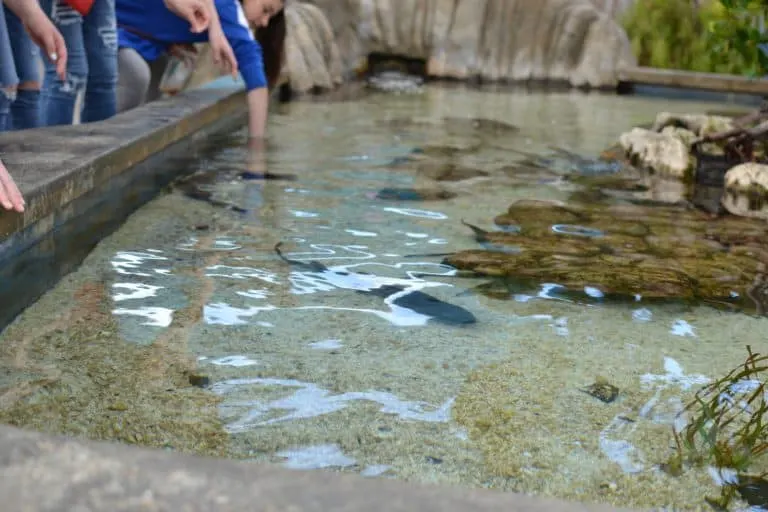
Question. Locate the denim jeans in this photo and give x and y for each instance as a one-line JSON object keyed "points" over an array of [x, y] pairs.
{"points": [[92, 64], [8, 79], [25, 110]]}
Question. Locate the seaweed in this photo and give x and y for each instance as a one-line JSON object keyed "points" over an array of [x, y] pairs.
{"points": [[727, 430]]}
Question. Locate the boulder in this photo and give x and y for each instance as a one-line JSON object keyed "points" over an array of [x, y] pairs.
{"points": [[746, 190], [663, 153], [570, 41]]}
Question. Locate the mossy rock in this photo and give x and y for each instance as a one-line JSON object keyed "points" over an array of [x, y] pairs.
{"points": [[623, 249]]}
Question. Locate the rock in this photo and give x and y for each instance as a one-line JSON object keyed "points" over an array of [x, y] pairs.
{"points": [[662, 153], [746, 190], [312, 59], [514, 40], [699, 124], [623, 250], [615, 8], [414, 194]]}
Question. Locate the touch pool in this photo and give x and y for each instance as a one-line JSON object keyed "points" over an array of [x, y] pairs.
{"points": [[310, 317]]}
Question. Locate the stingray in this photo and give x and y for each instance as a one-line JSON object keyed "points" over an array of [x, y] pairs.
{"points": [[395, 292]]}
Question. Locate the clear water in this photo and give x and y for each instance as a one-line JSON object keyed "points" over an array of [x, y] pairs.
{"points": [[316, 367]]}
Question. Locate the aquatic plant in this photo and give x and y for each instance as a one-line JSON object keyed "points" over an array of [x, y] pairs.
{"points": [[727, 429], [710, 36]]}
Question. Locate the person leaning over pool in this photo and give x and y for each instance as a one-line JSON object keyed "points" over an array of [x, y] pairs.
{"points": [[148, 32], [49, 39]]}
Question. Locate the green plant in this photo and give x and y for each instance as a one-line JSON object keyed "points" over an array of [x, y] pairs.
{"points": [[728, 427], [721, 36], [742, 31]]}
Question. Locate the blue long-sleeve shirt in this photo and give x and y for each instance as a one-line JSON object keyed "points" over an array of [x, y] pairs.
{"points": [[149, 27]]}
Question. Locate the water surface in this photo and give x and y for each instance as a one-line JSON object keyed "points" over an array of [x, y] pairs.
{"points": [[363, 352]]}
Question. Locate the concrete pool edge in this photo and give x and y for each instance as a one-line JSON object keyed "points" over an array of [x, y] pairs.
{"points": [[39, 472], [57, 165]]}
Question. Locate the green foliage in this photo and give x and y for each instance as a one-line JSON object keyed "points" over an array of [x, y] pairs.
{"points": [[742, 32], [720, 36]]}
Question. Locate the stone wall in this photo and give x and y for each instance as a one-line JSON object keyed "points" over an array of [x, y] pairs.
{"points": [[577, 42]]}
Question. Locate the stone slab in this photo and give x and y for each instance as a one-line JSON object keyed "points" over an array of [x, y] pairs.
{"points": [[733, 84], [41, 473], [55, 165]]}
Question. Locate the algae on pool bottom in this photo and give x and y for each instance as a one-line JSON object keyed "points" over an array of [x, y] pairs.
{"points": [[306, 370]]}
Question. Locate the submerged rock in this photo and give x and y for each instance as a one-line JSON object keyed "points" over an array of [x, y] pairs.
{"points": [[414, 194], [625, 250]]}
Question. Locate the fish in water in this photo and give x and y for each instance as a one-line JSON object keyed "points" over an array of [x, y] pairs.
{"points": [[197, 186], [401, 293]]}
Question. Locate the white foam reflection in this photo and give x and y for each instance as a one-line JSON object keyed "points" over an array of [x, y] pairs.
{"points": [[682, 328], [135, 291], [155, 317], [412, 212], [235, 361], [311, 401], [125, 262], [316, 457], [326, 345], [366, 234]]}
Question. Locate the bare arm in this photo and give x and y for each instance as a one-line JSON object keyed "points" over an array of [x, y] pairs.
{"points": [[42, 31], [24, 9], [258, 105]]}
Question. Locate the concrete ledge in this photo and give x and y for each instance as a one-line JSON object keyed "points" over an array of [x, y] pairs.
{"points": [[54, 166], [733, 84], [81, 182], [40, 473]]}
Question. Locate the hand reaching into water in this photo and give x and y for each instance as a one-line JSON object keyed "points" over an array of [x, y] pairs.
{"points": [[10, 196]]}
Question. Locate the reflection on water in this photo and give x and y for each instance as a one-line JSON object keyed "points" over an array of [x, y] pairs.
{"points": [[320, 312]]}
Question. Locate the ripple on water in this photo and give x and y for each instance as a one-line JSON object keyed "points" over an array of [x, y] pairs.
{"points": [[316, 457], [413, 212], [311, 401]]}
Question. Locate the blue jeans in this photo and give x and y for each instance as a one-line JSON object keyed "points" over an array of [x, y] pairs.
{"points": [[25, 110], [8, 78], [92, 64]]}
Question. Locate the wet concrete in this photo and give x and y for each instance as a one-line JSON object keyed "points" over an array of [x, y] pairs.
{"points": [[43, 473]]}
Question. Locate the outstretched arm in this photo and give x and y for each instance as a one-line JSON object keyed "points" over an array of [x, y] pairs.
{"points": [[258, 105], [42, 31], [10, 197]]}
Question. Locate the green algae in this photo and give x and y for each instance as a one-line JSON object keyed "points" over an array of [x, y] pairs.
{"points": [[76, 376], [657, 252]]}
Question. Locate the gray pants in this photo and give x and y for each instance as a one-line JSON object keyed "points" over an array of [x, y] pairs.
{"points": [[138, 81]]}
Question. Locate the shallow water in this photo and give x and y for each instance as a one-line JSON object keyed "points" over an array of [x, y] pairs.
{"points": [[363, 352]]}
